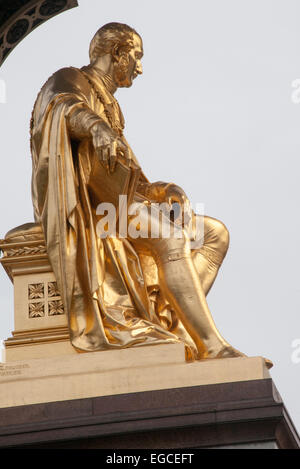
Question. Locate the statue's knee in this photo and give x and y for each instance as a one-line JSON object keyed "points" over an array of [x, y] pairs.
{"points": [[216, 235], [223, 236], [167, 249]]}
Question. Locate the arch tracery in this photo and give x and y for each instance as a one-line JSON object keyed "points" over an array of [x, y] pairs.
{"points": [[19, 17]]}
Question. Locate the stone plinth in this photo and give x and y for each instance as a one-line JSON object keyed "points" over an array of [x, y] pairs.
{"points": [[40, 322], [136, 369], [51, 396], [242, 414]]}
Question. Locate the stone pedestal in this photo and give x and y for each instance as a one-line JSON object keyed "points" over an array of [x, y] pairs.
{"points": [[137, 369], [51, 396], [154, 406], [40, 322]]}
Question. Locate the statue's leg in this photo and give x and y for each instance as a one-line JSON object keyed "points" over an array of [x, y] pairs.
{"points": [[180, 283], [213, 248]]}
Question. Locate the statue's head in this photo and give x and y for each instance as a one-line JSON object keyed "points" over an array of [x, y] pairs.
{"points": [[125, 47]]}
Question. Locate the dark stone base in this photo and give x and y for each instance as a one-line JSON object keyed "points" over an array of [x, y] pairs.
{"points": [[194, 417]]}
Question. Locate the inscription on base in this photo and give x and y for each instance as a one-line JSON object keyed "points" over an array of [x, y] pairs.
{"points": [[11, 370]]}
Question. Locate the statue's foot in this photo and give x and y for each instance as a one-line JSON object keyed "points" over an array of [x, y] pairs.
{"points": [[225, 351], [230, 352]]}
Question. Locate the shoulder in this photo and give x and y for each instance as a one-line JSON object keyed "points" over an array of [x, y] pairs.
{"points": [[66, 80]]}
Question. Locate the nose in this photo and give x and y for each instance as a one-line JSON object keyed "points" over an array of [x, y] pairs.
{"points": [[139, 68]]}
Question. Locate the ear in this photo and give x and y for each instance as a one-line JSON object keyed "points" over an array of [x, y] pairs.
{"points": [[115, 53]]}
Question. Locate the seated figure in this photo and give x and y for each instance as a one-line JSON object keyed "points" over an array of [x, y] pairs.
{"points": [[118, 291]]}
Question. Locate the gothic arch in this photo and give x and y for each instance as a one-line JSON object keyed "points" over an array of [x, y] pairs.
{"points": [[19, 17]]}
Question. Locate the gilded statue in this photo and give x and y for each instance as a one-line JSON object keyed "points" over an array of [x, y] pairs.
{"points": [[118, 291]]}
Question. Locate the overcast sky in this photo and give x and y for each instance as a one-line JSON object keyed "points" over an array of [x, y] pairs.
{"points": [[213, 112]]}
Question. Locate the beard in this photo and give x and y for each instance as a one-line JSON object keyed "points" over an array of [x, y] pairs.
{"points": [[121, 73]]}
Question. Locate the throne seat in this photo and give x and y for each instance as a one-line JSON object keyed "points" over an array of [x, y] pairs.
{"points": [[25, 232], [41, 327]]}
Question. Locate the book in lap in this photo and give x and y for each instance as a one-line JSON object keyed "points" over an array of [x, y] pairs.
{"points": [[107, 187]]}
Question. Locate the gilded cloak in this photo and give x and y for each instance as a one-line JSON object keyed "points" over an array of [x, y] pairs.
{"points": [[110, 294]]}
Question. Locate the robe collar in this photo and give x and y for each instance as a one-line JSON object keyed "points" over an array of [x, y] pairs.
{"points": [[110, 100]]}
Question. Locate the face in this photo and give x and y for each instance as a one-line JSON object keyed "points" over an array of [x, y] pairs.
{"points": [[130, 66]]}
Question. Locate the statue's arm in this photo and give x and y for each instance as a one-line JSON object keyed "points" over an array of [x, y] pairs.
{"points": [[80, 120], [82, 123]]}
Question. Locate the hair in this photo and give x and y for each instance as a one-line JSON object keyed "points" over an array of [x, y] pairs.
{"points": [[108, 36]]}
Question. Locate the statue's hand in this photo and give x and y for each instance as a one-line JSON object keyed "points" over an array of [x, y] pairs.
{"points": [[176, 195], [173, 195], [108, 145], [165, 192]]}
